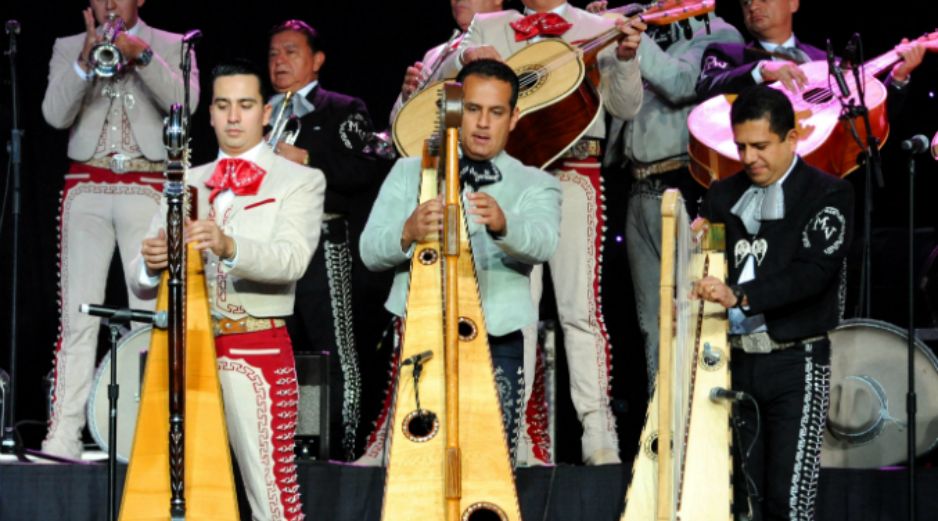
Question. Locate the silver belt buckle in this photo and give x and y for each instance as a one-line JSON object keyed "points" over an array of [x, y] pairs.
{"points": [[119, 163], [755, 343], [581, 150]]}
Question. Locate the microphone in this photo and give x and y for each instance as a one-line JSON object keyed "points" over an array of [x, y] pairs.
{"points": [[834, 70], [13, 27], [719, 393], [915, 144], [159, 319], [419, 358], [192, 36]]}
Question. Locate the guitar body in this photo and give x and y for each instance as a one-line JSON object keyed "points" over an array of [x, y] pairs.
{"points": [[209, 482], [422, 470], [557, 106], [824, 141]]}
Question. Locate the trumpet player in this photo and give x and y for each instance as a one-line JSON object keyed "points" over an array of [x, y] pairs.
{"points": [[332, 136], [111, 87]]}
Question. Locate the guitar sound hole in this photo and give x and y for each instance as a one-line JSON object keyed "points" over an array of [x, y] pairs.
{"points": [[484, 512], [421, 425], [818, 95], [530, 80]]}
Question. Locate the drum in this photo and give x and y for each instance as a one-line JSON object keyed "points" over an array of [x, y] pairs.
{"points": [[867, 419], [131, 360]]}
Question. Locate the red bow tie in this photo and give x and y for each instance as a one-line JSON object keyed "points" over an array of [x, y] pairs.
{"points": [[241, 176], [545, 24]]}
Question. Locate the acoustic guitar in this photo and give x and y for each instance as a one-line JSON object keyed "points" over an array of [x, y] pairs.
{"points": [[558, 96], [825, 140]]}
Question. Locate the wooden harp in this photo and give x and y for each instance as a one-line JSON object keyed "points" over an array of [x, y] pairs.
{"points": [[180, 464], [692, 481], [448, 451]]}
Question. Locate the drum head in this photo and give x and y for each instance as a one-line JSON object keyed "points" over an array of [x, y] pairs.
{"points": [[867, 418], [131, 353]]}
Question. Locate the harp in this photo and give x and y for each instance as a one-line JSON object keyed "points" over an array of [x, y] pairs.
{"points": [[448, 455], [180, 464], [692, 480]]}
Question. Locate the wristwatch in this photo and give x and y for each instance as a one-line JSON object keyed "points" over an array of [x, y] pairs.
{"points": [[740, 297], [145, 57]]}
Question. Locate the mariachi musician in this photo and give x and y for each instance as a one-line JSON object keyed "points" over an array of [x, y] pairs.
{"points": [[576, 266], [258, 226], [513, 218], [115, 116], [653, 147], [330, 137], [789, 227], [729, 68]]}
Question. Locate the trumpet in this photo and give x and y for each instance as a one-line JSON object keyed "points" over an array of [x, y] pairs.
{"points": [[286, 126], [106, 59]]}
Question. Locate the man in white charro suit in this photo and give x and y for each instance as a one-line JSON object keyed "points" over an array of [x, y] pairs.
{"points": [[258, 227], [575, 267], [112, 187]]}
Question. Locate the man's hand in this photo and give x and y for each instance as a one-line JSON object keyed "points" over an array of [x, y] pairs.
{"points": [[424, 221], [911, 54], [411, 80], [713, 289], [130, 46], [793, 78], [628, 45], [91, 38], [472, 54], [155, 253], [205, 234], [293, 153], [487, 212], [597, 7]]}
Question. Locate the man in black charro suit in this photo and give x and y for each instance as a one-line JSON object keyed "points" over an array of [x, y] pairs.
{"points": [[788, 229], [333, 136]]}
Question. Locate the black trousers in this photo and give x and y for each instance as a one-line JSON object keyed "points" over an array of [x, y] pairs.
{"points": [[792, 388], [508, 364]]}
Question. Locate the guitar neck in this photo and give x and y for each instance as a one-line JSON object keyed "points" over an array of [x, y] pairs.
{"points": [[880, 63]]}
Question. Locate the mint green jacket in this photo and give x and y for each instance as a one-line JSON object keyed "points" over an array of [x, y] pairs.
{"points": [[530, 200]]}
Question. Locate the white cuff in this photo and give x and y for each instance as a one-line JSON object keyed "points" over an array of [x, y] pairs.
{"points": [[87, 76], [757, 72], [145, 279]]}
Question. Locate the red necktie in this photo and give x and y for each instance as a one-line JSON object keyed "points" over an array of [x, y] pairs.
{"points": [[240, 176], [544, 24]]}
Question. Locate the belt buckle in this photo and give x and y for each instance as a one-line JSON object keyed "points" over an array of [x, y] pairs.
{"points": [[119, 163], [580, 150]]}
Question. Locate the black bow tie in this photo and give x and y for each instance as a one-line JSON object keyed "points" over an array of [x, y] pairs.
{"points": [[478, 173]]}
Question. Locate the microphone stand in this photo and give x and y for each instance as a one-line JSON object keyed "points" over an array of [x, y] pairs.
{"points": [[911, 401], [188, 47], [8, 440], [113, 392], [872, 163]]}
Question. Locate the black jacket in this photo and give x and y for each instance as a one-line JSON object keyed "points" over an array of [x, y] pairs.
{"points": [[798, 282], [334, 134]]}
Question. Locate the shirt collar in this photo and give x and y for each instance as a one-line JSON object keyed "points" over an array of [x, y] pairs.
{"points": [[250, 155], [307, 88], [769, 46], [560, 9]]}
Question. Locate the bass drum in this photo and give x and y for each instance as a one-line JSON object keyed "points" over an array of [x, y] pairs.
{"points": [[866, 425], [131, 360]]}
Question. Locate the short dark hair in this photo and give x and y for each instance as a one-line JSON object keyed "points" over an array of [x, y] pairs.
{"points": [[312, 35], [764, 102], [492, 69], [238, 66]]}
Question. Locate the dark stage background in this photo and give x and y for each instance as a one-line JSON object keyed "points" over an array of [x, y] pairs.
{"points": [[368, 45]]}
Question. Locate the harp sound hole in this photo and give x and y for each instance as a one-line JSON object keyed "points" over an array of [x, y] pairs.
{"points": [[421, 425], [467, 329], [428, 256], [651, 446], [484, 512]]}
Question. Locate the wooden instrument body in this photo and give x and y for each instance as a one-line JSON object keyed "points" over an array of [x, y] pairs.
{"points": [[705, 489], [824, 141], [573, 105], [421, 471], [210, 492]]}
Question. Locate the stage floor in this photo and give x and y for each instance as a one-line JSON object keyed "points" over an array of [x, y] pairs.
{"points": [[338, 492]]}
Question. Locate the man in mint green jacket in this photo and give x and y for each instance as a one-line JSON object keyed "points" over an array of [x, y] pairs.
{"points": [[513, 218]]}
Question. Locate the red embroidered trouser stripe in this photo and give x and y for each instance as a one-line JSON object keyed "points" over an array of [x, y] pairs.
{"points": [[98, 209], [258, 380]]}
